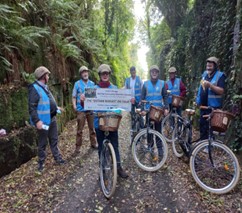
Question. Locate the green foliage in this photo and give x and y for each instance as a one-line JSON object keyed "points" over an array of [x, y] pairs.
{"points": [[83, 32], [205, 29], [28, 78]]}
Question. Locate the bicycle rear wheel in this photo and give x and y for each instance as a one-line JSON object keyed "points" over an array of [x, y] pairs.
{"points": [[178, 139], [149, 150], [223, 175], [108, 170], [168, 126]]}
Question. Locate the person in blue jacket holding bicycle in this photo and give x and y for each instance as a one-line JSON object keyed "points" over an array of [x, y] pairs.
{"points": [[176, 86], [210, 92], [104, 72], [155, 92]]}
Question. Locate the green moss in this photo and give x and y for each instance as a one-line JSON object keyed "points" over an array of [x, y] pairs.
{"points": [[19, 101], [7, 119]]}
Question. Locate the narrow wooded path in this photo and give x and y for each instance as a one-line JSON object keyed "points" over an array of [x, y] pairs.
{"points": [[74, 187], [141, 192]]}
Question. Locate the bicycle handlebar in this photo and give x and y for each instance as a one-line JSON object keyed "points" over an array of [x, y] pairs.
{"points": [[206, 107]]}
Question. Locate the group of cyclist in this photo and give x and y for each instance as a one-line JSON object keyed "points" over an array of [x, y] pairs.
{"points": [[209, 93], [153, 90]]}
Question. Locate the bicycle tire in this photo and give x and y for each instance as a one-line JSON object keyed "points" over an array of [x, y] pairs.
{"points": [[154, 156], [176, 143], [225, 172], [108, 167], [166, 128]]}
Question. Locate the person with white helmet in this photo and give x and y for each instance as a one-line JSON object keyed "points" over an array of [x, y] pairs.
{"points": [[104, 72], [210, 92], [154, 91], [78, 98], [43, 110], [175, 86]]}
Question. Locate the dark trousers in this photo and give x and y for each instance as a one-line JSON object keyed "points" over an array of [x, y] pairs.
{"points": [[113, 137], [204, 125], [134, 106], [50, 135]]}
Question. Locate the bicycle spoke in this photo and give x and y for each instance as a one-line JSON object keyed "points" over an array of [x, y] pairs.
{"points": [[219, 175], [149, 151], [108, 167]]}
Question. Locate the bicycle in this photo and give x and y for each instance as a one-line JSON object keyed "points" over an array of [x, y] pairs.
{"points": [[169, 122], [137, 123], [213, 165], [108, 164], [149, 148]]}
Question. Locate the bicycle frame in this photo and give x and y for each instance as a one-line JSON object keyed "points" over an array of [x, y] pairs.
{"points": [[187, 145], [137, 117], [187, 123]]}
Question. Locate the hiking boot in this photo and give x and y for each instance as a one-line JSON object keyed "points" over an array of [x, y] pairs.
{"points": [[60, 161], [40, 167], [122, 173]]}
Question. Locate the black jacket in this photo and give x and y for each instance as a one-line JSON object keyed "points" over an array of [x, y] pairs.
{"points": [[34, 97]]}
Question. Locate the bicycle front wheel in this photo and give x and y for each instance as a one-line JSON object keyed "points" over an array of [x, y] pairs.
{"points": [[168, 126], [108, 170], [218, 177], [149, 150]]}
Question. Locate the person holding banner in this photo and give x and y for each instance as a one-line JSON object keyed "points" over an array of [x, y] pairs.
{"points": [[82, 115], [104, 72]]}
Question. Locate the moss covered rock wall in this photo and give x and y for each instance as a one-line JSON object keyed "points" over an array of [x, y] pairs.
{"points": [[17, 148], [13, 108], [20, 143]]}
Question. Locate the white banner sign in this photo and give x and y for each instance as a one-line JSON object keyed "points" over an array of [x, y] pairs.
{"points": [[107, 99]]}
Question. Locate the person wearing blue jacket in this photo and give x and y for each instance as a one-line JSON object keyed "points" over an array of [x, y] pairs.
{"points": [[176, 87], [134, 83], [154, 91], [104, 72], [43, 110], [78, 106], [210, 92]]}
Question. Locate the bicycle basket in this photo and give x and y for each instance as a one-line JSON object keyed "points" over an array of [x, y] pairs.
{"points": [[221, 120], [109, 121], [177, 100], [156, 113]]}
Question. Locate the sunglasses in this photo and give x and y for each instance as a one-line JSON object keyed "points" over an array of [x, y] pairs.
{"points": [[105, 73]]}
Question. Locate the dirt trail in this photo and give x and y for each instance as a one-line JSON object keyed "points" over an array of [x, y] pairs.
{"points": [[74, 187], [141, 192]]}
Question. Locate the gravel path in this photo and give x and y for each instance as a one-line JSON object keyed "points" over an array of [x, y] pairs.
{"points": [[74, 187]]}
